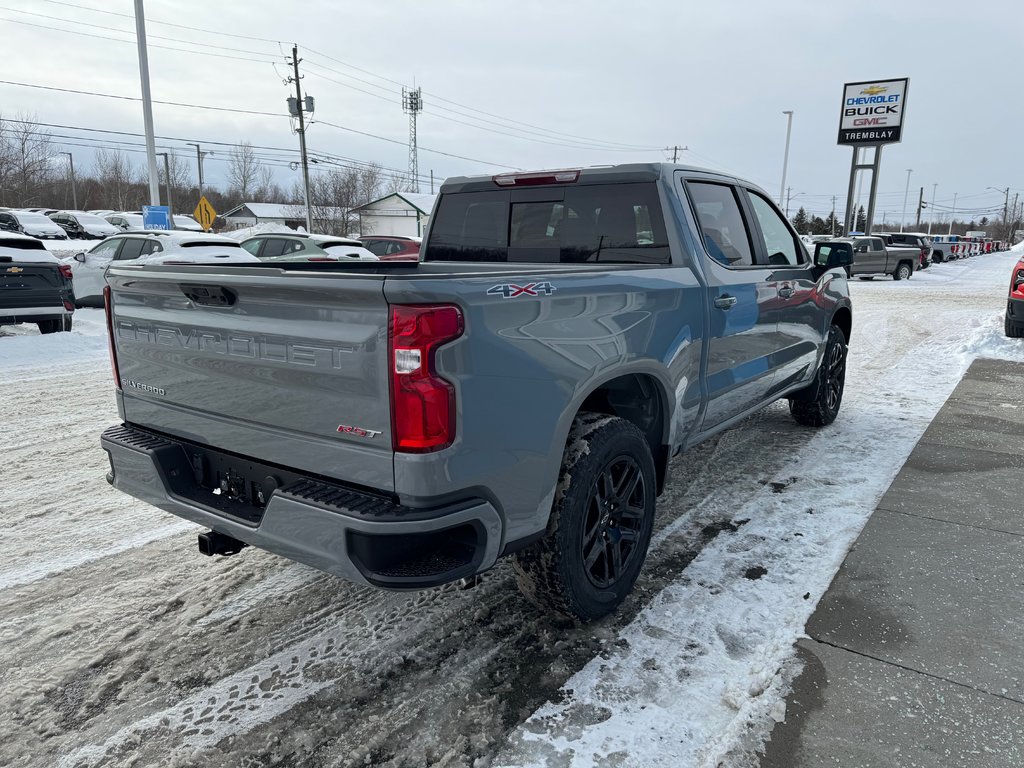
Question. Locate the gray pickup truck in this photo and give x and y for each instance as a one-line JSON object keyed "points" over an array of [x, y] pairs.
{"points": [[519, 391], [872, 256]]}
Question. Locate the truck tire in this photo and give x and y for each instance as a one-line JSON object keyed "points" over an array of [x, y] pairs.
{"points": [[903, 271], [818, 405], [600, 524], [50, 326]]}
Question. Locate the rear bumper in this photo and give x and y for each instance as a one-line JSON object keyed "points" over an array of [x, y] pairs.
{"points": [[1015, 313], [359, 536], [12, 315]]}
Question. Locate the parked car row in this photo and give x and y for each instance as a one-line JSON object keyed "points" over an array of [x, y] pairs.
{"points": [[36, 287], [49, 224]]}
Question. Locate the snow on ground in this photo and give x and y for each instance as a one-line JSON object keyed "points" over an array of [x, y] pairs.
{"points": [[23, 347], [120, 645]]}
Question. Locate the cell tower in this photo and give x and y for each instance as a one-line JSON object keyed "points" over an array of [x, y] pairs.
{"points": [[412, 105]]}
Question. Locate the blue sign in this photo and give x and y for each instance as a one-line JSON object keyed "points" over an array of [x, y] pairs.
{"points": [[156, 217]]}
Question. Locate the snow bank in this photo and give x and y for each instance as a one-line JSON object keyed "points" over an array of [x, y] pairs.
{"points": [[22, 346]]}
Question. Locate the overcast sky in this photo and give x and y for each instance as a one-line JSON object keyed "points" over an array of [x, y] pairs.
{"points": [[559, 76]]}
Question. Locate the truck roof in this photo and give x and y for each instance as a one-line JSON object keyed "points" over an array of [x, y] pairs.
{"points": [[596, 174]]}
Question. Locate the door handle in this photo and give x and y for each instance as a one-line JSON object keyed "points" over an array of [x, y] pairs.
{"points": [[725, 302]]}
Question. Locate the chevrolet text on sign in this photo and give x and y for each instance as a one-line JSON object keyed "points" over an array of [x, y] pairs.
{"points": [[873, 111]]}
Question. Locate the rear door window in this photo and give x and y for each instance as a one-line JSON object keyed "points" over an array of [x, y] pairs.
{"points": [[721, 222], [131, 249], [273, 246], [590, 223]]}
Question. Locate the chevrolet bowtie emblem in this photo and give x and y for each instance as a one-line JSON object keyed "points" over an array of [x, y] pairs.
{"points": [[15, 269]]}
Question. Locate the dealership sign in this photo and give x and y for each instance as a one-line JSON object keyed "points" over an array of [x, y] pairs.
{"points": [[873, 112]]}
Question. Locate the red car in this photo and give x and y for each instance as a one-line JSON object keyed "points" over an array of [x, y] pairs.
{"points": [[1014, 324], [392, 247]]}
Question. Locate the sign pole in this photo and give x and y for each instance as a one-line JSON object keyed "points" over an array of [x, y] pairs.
{"points": [[849, 223], [874, 189]]}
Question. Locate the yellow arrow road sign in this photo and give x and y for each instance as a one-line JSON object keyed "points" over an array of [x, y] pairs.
{"points": [[205, 214]]}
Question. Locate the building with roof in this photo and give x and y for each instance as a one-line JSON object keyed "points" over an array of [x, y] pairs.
{"points": [[400, 213], [288, 214]]}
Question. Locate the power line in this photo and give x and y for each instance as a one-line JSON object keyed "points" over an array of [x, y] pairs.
{"points": [[253, 112], [132, 42], [321, 156], [424, 149], [165, 23], [599, 144]]}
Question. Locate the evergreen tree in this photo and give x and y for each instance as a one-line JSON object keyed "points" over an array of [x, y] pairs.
{"points": [[862, 220], [831, 225], [800, 222], [818, 226]]}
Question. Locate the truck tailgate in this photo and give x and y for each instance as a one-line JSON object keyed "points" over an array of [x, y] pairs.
{"points": [[292, 370]]}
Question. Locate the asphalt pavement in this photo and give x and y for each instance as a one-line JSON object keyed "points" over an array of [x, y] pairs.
{"points": [[915, 654]]}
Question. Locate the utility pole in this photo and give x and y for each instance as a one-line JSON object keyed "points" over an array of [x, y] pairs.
{"points": [[167, 180], [906, 191], [934, 209], [952, 216], [785, 158], [147, 104], [833, 215], [920, 205], [74, 194], [412, 105], [431, 181], [298, 109], [199, 163]]}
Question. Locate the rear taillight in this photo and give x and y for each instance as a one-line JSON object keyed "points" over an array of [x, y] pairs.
{"points": [[1018, 280], [422, 403], [108, 308], [65, 271]]}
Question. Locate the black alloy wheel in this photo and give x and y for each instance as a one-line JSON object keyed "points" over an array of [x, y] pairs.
{"points": [[614, 520]]}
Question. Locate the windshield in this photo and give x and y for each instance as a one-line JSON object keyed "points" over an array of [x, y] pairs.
{"points": [[34, 218], [607, 223], [92, 220]]}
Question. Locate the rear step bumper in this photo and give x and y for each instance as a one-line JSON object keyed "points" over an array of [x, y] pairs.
{"points": [[361, 537]]}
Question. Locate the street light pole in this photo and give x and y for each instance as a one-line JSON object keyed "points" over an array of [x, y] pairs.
{"points": [[74, 193], [785, 158], [931, 218], [199, 162], [167, 178], [147, 104], [906, 191]]}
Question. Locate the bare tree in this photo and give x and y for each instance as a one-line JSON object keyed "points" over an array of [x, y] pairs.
{"points": [[335, 193], [243, 170], [181, 183], [118, 181], [26, 161]]}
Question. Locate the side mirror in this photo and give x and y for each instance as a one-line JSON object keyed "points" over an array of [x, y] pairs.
{"points": [[832, 255], [80, 258]]}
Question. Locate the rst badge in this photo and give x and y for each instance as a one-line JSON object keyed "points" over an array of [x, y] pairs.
{"points": [[510, 291], [358, 431]]}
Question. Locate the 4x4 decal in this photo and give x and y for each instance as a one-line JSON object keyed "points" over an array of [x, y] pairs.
{"points": [[510, 291]]}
